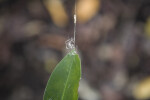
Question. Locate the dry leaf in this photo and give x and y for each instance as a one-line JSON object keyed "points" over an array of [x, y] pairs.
{"points": [[147, 28], [57, 12], [86, 9], [142, 90]]}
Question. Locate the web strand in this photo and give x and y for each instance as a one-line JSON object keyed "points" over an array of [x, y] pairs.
{"points": [[70, 43], [75, 21]]}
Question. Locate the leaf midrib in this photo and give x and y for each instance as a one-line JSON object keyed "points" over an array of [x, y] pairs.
{"points": [[67, 80]]}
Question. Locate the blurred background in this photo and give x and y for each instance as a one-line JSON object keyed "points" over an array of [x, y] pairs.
{"points": [[113, 40]]}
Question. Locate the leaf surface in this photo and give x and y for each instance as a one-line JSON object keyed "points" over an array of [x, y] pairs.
{"points": [[64, 81]]}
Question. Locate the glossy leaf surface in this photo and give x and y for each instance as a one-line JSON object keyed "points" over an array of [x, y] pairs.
{"points": [[64, 81]]}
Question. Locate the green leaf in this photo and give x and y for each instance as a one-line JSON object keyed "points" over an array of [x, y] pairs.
{"points": [[64, 81]]}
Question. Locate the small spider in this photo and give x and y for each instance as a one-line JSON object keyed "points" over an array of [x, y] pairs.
{"points": [[70, 44]]}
